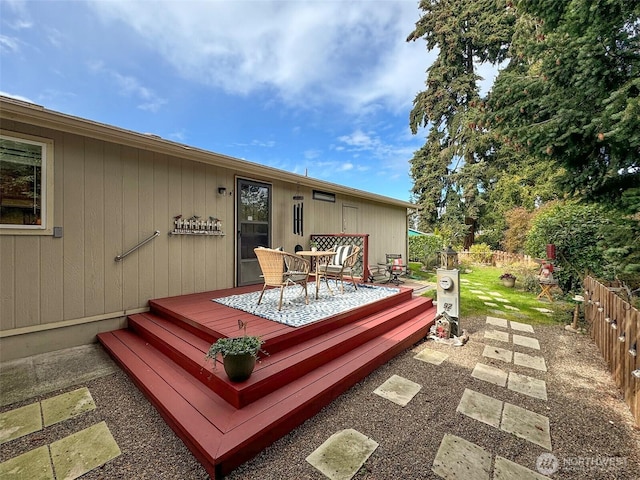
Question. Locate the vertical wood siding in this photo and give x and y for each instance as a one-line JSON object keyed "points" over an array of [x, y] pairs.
{"points": [[110, 197]]}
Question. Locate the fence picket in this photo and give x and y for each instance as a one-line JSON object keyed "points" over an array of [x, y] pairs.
{"points": [[602, 304]]}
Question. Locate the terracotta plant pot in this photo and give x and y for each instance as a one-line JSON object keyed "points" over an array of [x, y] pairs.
{"points": [[239, 367]]}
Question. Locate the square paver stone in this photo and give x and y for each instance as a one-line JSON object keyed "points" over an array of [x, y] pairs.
{"points": [[484, 297], [507, 470], [490, 304], [33, 465], [526, 424], [398, 389], [512, 308], [83, 451], [542, 310], [20, 422], [528, 342], [458, 458], [530, 386], [497, 353], [495, 294], [497, 335], [342, 454], [477, 292], [498, 322], [67, 405], [480, 407], [522, 327], [431, 356], [530, 361], [502, 300], [490, 374]]}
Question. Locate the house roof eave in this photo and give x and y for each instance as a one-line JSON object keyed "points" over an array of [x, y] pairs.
{"points": [[25, 112]]}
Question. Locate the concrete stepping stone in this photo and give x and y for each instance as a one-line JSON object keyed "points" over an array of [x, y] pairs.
{"points": [[497, 335], [512, 308], [477, 292], [68, 405], [431, 356], [533, 387], [490, 374], [526, 424], [77, 454], [464, 280], [522, 327], [32, 465], [498, 322], [495, 294], [529, 361], [484, 297], [502, 300], [342, 454], [399, 390], [507, 470], [480, 407], [458, 458], [497, 353], [490, 304], [20, 422], [542, 310], [528, 342]]}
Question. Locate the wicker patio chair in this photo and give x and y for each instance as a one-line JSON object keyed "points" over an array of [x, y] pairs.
{"points": [[341, 265], [280, 269]]}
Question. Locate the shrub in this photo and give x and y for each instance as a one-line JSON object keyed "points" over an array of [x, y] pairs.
{"points": [[481, 253], [576, 230], [425, 249]]}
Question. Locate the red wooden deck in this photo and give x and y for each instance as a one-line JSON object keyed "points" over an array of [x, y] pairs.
{"points": [[225, 423]]}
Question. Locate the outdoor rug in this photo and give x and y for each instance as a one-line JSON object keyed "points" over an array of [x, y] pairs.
{"points": [[294, 311]]}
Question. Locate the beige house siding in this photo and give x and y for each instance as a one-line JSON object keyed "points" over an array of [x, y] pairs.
{"points": [[108, 197]]}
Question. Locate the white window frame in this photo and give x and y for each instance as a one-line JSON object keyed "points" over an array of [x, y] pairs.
{"points": [[46, 208]]}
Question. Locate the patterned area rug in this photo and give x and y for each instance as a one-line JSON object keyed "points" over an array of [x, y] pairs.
{"points": [[294, 311]]}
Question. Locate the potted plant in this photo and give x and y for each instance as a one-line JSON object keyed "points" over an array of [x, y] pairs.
{"points": [[238, 354], [314, 246], [508, 279]]}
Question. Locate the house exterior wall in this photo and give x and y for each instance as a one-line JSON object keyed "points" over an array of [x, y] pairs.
{"points": [[108, 197]]}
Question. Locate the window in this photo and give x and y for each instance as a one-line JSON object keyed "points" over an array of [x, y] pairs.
{"points": [[324, 196], [26, 184]]}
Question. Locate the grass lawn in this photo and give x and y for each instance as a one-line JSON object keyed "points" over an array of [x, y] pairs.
{"points": [[486, 280]]}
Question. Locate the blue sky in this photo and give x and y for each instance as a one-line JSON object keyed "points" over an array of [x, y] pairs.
{"points": [[323, 87]]}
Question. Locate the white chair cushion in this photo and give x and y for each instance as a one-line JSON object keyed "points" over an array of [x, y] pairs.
{"points": [[342, 252]]}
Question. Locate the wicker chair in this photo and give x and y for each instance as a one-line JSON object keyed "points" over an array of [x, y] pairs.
{"points": [[280, 269], [340, 266]]}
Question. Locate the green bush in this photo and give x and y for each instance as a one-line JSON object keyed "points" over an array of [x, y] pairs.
{"points": [[425, 249], [481, 253], [577, 231]]}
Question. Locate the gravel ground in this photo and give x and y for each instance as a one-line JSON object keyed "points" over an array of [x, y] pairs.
{"points": [[589, 420]]}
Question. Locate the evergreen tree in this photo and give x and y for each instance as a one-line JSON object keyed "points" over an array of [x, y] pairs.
{"points": [[449, 170], [571, 91]]}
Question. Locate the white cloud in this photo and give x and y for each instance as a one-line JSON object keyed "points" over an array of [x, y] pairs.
{"points": [[348, 53], [8, 44], [129, 87], [16, 97]]}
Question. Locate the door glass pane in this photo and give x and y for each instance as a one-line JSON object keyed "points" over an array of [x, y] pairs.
{"points": [[253, 228]]}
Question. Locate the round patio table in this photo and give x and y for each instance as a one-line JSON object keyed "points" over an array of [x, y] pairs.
{"points": [[315, 259]]}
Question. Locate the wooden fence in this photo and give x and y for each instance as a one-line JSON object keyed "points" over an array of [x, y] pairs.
{"points": [[495, 258], [615, 328]]}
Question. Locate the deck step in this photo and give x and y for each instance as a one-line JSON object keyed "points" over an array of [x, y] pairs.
{"points": [[222, 436], [187, 349], [275, 343]]}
